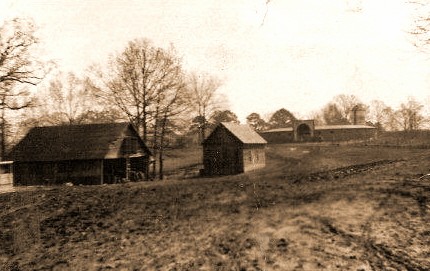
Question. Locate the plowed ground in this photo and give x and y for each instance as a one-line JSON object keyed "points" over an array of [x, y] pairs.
{"points": [[311, 208]]}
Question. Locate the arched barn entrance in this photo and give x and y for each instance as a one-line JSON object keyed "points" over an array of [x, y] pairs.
{"points": [[304, 132]]}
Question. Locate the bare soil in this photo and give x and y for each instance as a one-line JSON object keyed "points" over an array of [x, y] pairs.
{"points": [[311, 208]]}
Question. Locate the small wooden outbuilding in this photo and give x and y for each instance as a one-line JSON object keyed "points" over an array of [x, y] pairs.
{"points": [[80, 154], [233, 148]]}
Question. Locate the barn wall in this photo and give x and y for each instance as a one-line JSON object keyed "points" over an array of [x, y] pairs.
{"points": [[222, 159], [222, 154], [58, 172], [254, 158], [129, 144], [345, 134]]}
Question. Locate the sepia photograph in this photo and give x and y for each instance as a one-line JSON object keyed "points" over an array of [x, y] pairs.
{"points": [[240, 135]]}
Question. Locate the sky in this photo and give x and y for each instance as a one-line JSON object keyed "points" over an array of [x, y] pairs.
{"points": [[269, 54]]}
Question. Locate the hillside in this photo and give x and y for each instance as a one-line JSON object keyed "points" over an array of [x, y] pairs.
{"points": [[311, 208]]}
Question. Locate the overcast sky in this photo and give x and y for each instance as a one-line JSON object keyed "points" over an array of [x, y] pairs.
{"points": [[295, 54]]}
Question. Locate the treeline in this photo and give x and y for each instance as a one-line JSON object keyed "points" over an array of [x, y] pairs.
{"points": [[410, 116]]}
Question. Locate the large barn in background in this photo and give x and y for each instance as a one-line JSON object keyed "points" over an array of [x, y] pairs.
{"points": [[231, 149], [306, 130], [80, 154]]}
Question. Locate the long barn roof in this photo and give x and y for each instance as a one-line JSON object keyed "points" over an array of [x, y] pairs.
{"points": [[323, 127], [71, 142]]}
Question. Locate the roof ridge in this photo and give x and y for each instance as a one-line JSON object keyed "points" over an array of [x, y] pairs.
{"points": [[244, 133], [83, 124]]}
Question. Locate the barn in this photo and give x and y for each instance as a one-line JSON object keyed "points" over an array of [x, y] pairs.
{"points": [[232, 149], [306, 130], [80, 154], [325, 133]]}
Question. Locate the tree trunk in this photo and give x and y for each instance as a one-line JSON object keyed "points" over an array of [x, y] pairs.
{"points": [[3, 134], [154, 153], [154, 141], [204, 129], [162, 136], [160, 164]]}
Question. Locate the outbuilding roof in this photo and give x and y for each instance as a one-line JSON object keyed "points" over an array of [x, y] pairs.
{"points": [[72, 142], [244, 133]]}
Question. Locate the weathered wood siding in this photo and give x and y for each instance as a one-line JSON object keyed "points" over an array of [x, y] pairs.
{"points": [[222, 154], [222, 160], [254, 158], [345, 134], [58, 172]]}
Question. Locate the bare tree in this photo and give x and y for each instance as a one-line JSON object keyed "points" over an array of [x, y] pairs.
{"points": [[344, 104], [146, 82], [318, 117], [171, 104], [132, 80], [379, 114], [68, 98], [338, 111], [206, 99], [410, 115], [171, 99], [332, 115], [18, 69], [391, 120]]}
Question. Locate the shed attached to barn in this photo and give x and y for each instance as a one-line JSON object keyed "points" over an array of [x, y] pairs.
{"points": [[233, 148], [80, 154]]}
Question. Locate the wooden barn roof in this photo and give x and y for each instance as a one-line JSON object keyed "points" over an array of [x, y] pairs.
{"points": [[71, 142], [244, 133]]}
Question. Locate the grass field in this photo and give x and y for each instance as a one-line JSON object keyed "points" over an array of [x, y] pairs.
{"points": [[312, 208]]}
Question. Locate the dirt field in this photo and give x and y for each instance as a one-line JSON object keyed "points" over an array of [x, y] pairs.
{"points": [[312, 208]]}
